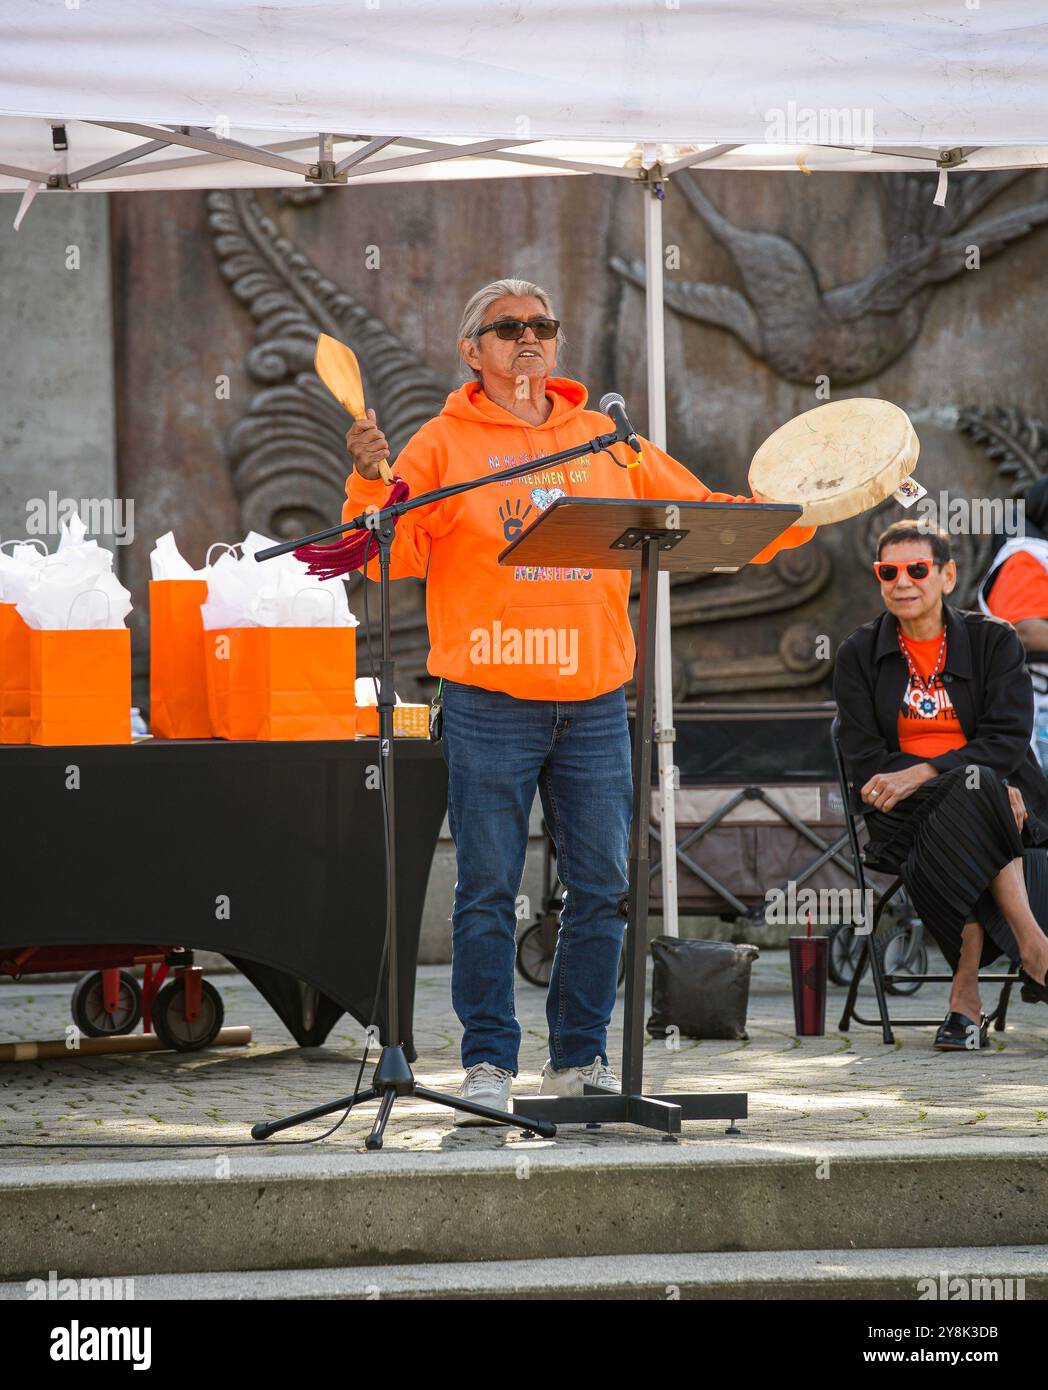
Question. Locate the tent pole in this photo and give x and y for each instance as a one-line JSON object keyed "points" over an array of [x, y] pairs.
{"points": [[664, 733]]}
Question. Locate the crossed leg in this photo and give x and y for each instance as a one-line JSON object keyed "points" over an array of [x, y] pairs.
{"points": [[1009, 892]]}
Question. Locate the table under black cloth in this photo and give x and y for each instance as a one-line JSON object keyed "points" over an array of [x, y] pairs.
{"points": [[159, 835]]}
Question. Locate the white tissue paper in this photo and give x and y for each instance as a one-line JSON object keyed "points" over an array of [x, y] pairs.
{"points": [[167, 562], [72, 535], [241, 592], [76, 587], [367, 692], [20, 571]]}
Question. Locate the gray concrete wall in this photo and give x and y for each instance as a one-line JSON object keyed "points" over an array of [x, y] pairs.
{"points": [[56, 359]]}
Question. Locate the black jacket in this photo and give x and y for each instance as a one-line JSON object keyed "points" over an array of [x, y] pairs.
{"points": [[990, 689]]}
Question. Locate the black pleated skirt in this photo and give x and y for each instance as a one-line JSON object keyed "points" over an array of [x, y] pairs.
{"points": [[948, 841]]}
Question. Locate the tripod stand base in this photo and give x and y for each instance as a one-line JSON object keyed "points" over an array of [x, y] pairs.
{"points": [[663, 1113], [392, 1078]]}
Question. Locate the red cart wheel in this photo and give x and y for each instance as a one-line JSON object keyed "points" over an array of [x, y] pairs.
{"points": [[169, 1017], [88, 1006]]}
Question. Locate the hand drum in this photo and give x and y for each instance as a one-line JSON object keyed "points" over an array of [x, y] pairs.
{"points": [[837, 460]]}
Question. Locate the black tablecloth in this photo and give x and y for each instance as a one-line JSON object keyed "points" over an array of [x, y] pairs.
{"points": [[158, 836]]}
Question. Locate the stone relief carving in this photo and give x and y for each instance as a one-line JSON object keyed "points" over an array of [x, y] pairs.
{"points": [[288, 460], [288, 453], [1016, 444], [851, 332]]}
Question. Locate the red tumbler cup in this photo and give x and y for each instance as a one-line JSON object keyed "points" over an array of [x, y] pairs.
{"points": [[808, 960]]}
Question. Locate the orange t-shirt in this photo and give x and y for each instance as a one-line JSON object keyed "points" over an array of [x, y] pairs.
{"points": [[1020, 590], [928, 737]]}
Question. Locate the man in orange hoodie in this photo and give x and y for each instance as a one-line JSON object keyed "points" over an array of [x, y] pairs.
{"points": [[532, 662]]}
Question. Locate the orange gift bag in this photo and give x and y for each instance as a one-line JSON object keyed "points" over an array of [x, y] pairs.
{"points": [[14, 676], [281, 682], [80, 686], [18, 573], [178, 705]]}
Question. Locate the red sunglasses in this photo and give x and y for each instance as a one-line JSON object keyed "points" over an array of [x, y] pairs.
{"points": [[916, 569]]}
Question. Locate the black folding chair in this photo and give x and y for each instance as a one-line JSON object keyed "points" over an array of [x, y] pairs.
{"points": [[869, 957]]}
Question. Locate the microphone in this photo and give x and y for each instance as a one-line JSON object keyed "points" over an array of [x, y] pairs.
{"points": [[613, 405]]}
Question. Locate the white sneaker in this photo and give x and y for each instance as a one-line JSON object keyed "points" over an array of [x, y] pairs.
{"points": [[487, 1085], [572, 1080]]}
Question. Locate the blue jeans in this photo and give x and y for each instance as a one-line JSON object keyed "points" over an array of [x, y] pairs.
{"points": [[499, 750]]}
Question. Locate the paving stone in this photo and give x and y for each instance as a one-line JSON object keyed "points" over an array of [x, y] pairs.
{"points": [[810, 1090]]}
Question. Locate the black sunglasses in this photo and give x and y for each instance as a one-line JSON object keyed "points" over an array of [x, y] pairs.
{"points": [[916, 569], [512, 330]]}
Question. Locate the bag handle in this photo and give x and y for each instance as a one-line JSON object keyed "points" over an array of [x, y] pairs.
{"points": [[224, 545], [80, 595], [31, 540], [312, 589]]}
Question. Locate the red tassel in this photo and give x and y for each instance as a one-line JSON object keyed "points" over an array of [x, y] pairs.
{"points": [[354, 549]]}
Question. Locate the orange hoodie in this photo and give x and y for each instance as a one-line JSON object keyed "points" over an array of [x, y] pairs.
{"points": [[534, 632]]}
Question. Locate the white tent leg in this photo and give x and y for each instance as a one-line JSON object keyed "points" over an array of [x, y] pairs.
{"points": [[653, 261]]}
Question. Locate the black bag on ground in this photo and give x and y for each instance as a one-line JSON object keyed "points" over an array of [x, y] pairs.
{"points": [[702, 988]]}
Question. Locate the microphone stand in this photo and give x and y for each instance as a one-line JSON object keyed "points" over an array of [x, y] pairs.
{"points": [[392, 1076]]}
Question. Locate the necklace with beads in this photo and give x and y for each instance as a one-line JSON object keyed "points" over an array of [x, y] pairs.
{"points": [[920, 697]]}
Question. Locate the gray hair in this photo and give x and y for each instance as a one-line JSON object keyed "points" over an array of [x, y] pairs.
{"points": [[479, 304]]}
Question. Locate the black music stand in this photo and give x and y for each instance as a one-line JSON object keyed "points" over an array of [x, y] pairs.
{"points": [[609, 533]]}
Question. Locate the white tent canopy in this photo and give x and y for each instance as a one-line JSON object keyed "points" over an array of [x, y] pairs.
{"points": [[206, 93], [107, 95]]}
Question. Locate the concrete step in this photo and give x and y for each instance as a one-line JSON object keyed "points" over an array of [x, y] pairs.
{"points": [[277, 1210], [1010, 1273]]}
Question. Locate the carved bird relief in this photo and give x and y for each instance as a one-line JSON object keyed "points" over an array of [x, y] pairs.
{"points": [[851, 332]]}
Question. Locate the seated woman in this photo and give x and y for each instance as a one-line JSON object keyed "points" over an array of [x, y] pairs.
{"points": [[936, 709]]}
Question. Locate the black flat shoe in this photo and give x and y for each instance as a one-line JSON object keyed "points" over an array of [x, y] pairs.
{"points": [[1031, 992], [955, 1032]]}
